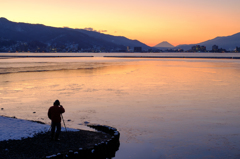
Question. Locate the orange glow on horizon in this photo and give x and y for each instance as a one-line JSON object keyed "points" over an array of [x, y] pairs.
{"points": [[150, 22]]}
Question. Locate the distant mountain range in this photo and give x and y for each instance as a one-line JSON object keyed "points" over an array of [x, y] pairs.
{"points": [[225, 42], [26, 36], [52, 36]]}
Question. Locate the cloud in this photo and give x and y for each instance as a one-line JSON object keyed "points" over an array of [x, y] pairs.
{"points": [[102, 31], [91, 29]]}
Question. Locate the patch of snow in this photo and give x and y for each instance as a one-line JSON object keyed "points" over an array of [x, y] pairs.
{"points": [[15, 129]]}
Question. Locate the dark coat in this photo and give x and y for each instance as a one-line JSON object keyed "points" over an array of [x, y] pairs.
{"points": [[54, 113]]}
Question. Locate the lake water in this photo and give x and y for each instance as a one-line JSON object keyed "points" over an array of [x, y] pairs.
{"points": [[163, 108]]}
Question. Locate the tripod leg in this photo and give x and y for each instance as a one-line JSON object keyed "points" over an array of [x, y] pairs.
{"points": [[64, 123]]}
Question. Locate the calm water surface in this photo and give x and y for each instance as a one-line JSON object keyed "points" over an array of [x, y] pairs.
{"points": [[163, 108]]}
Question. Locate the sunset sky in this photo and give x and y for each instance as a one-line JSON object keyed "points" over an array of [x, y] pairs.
{"points": [[149, 21]]}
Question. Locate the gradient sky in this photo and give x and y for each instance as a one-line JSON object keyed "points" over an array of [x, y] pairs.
{"points": [[149, 21]]}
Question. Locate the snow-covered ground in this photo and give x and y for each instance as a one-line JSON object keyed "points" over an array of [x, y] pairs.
{"points": [[11, 128]]}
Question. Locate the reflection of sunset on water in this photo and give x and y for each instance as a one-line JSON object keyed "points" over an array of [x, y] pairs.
{"points": [[170, 105]]}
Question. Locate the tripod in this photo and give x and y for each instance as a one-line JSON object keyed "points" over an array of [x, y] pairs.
{"points": [[64, 123]]}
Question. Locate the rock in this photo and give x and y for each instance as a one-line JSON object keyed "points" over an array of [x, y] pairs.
{"points": [[86, 122]]}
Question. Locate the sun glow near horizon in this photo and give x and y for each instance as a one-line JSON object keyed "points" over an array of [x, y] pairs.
{"points": [[151, 22]]}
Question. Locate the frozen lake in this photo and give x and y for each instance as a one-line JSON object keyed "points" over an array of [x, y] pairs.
{"points": [[163, 108]]}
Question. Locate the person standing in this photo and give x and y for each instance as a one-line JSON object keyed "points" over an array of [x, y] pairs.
{"points": [[54, 113]]}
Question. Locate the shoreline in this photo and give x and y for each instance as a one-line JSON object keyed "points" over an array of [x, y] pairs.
{"points": [[123, 55], [81, 142], [177, 57]]}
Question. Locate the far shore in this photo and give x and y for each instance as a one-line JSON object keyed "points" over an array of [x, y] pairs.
{"points": [[123, 55]]}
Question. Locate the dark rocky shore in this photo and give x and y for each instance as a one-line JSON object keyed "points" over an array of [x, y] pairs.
{"points": [[41, 146], [102, 143]]}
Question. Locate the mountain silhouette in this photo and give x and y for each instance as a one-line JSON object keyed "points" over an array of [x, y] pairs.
{"points": [[114, 39], [41, 35], [164, 44], [63, 36], [225, 42]]}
